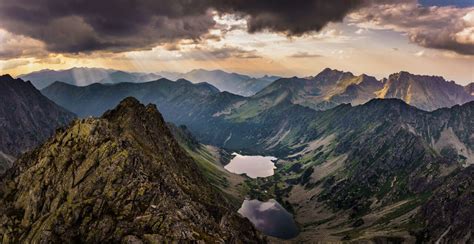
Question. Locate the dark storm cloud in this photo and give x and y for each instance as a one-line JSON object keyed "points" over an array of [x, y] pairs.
{"points": [[73, 26], [88, 25], [118, 25], [294, 17]]}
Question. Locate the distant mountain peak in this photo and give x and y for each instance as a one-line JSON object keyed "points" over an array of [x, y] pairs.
{"points": [[405, 75], [423, 91], [209, 71], [332, 76], [182, 80], [327, 71], [119, 72], [10, 81], [6, 77]]}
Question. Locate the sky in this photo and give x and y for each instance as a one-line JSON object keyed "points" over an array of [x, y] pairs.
{"points": [[256, 37]]}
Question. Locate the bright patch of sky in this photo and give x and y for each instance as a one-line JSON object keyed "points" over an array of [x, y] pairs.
{"points": [[458, 3]]}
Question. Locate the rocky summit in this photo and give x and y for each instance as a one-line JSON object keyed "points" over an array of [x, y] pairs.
{"points": [[118, 178]]}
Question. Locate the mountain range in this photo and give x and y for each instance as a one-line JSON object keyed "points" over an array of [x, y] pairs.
{"points": [[232, 82], [326, 90], [85, 76], [93, 100], [332, 87], [384, 168], [359, 168], [118, 178], [243, 85], [26, 118], [375, 170], [268, 117]]}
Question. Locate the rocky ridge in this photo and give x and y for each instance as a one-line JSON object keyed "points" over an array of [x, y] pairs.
{"points": [[118, 178]]}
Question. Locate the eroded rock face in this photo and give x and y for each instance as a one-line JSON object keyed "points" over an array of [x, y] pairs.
{"points": [[470, 88], [27, 117], [425, 92], [449, 214], [119, 178]]}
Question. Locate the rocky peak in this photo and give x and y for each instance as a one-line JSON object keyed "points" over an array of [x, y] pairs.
{"points": [[145, 122], [332, 76], [365, 77], [424, 92], [8, 80], [401, 75], [6, 77], [131, 108], [404, 76], [118, 178]]}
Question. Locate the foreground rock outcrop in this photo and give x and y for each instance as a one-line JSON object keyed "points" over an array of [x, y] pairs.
{"points": [[118, 178]]}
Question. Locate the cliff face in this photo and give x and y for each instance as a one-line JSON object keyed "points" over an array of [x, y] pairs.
{"points": [[470, 89], [27, 117], [118, 178], [448, 214], [425, 92]]}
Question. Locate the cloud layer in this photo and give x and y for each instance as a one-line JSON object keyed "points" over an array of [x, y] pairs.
{"points": [[447, 28], [304, 55], [79, 26], [294, 17], [121, 25], [12, 46], [117, 25]]}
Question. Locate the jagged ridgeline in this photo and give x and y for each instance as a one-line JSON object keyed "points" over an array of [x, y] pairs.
{"points": [[118, 178]]}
